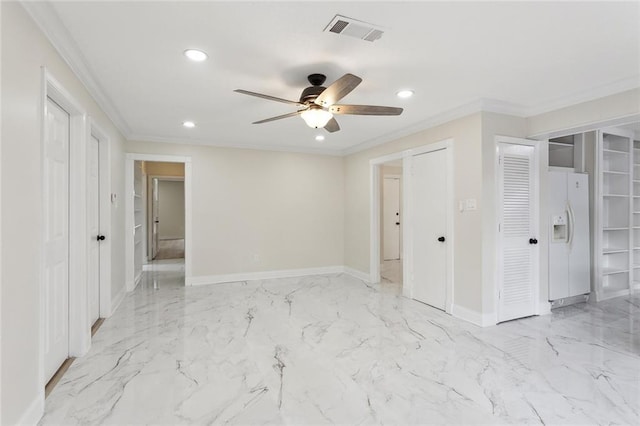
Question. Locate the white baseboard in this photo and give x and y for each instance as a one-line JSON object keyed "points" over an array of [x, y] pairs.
{"points": [[474, 317], [34, 412], [263, 275], [117, 300], [357, 274]]}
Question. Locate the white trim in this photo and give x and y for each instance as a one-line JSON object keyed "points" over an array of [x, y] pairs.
{"points": [[105, 215], [117, 300], [474, 317], [357, 274], [222, 144], [587, 127], [130, 158], [34, 412], [374, 215], [45, 16], [79, 324], [263, 275]]}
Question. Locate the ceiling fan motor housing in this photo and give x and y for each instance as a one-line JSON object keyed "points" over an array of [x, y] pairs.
{"points": [[310, 93]]}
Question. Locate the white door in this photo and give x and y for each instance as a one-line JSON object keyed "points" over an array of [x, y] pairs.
{"points": [[391, 218], [518, 233], [56, 236], [429, 222], [156, 217], [579, 244], [93, 222]]}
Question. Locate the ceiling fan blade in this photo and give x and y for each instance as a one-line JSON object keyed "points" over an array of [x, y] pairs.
{"points": [[338, 90], [270, 98], [332, 126], [364, 110], [280, 117]]}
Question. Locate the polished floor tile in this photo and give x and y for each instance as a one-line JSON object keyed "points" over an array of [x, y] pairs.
{"points": [[334, 350]]}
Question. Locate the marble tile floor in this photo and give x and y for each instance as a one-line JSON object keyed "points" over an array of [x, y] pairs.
{"points": [[334, 350]]}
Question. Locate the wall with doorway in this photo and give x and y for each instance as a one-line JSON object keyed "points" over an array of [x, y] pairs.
{"points": [[23, 394], [171, 209], [467, 136], [256, 211]]}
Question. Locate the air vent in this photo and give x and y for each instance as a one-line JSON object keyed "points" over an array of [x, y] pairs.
{"points": [[354, 28]]}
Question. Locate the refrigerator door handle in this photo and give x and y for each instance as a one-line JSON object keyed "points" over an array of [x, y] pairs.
{"points": [[570, 224]]}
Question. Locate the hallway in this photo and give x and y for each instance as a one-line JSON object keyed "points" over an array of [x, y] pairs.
{"points": [[331, 349]]}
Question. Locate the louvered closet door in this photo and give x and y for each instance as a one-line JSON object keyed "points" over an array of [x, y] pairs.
{"points": [[518, 261]]}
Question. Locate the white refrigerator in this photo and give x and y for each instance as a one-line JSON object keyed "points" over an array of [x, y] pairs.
{"points": [[569, 253]]}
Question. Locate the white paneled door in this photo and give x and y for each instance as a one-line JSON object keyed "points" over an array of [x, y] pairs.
{"points": [[155, 216], [56, 236], [391, 218], [518, 233], [429, 226], [93, 222]]}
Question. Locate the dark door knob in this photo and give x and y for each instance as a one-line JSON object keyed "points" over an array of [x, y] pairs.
{"points": [[441, 239], [533, 241], [100, 237], [397, 223]]}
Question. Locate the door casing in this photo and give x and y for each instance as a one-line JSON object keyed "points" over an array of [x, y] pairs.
{"points": [[375, 176]]}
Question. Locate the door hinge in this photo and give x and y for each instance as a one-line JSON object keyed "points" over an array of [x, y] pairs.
{"points": [[500, 295], [499, 227], [499, 159]]}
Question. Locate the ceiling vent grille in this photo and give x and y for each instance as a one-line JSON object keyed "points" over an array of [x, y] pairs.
{"points": [[354, 28]]}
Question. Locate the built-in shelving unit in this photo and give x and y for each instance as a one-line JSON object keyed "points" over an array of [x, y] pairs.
{"points": [[617, 225], [138, 219]]}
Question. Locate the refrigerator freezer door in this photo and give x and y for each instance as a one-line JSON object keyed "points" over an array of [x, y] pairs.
{"points": [[579, 249], [558, 249]]}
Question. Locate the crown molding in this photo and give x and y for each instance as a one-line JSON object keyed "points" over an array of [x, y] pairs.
{"points": [[619, 86], [464, 110], [46, 18], [208, 142]]}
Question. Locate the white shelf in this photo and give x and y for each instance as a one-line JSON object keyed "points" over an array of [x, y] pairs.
{"points": [[137, 226], [612, 250], [612, 271], [613, 172], [615, 195], [616, 229], [615, 151]]}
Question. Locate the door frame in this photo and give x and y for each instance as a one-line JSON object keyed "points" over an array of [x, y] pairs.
{"points": [[148, 210], [106, 309], [79, 327], [130, 159], [540, 251], [399, 178], [407, 230]]}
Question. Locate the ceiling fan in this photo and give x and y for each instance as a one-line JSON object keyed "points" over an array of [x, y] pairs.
{"points": [[318, 103]]}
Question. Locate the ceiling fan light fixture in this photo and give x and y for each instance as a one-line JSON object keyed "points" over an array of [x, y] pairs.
{"points": [[195, 55], [316, 117], [404, 94]]}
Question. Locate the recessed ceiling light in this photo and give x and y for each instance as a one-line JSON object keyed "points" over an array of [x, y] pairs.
{"points": [[319, 138], [405, 94], [195, 55], [189, 124]]}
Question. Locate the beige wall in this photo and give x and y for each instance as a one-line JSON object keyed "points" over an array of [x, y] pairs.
{"points": [[24, 51], [624, 104], [171, 209], [160, 168], [466, 133], [260, 210]]}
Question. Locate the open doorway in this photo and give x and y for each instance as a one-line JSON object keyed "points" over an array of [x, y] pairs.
{"points": [[158, 212], [165, 218], [391, 221]]}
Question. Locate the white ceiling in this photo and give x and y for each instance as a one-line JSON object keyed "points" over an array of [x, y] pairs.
{"points": [[531, 57]]}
